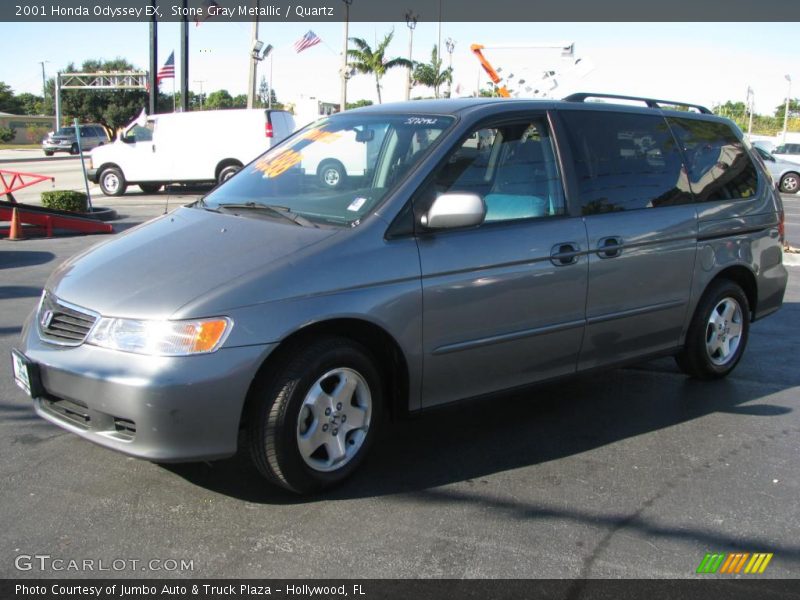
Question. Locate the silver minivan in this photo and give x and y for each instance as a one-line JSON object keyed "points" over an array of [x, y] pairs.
{"points": [[66, 139], [576, 235]]}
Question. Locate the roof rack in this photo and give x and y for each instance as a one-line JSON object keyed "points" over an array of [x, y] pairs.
{"points": [[650, 102]]}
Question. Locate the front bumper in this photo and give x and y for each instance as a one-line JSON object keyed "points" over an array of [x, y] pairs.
{"points": [[92, 175], [169, 409]]}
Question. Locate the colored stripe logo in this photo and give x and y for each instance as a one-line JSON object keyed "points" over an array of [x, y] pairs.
{"points": [[735, 562]]}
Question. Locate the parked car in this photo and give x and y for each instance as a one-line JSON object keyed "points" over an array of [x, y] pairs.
{"points": [[574, 236], [66, 139], [786, 174], [789, 152], [192, 147]]}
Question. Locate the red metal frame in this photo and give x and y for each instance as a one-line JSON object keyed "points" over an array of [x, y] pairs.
{"points": [[16, 180], [49, 220]]}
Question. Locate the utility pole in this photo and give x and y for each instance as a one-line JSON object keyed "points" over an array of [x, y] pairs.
{"points": [[786, 114], [411, 23], [185, 59], [345, 46], [44, 83], [451, 45], [201, 82], [251, 82], [152, 76], [750, 103], [439, 42], [57, 100]]}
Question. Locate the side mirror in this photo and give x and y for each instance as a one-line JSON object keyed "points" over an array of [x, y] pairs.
{"points": [[128, 139], [449, 211]]}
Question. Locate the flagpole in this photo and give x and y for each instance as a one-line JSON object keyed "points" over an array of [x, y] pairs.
{"points": [[173, 93]]}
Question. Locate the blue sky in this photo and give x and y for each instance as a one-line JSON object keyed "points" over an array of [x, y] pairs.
{"points": [[697, 62]]}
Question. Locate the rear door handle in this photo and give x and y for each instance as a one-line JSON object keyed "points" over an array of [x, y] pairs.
{"points": [[609, 247], [565, 253]]}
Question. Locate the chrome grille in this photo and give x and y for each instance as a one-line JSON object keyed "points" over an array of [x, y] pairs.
{"points": [[63, 323]]}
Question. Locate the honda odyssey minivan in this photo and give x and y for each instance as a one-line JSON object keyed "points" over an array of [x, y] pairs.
{"points": [[576, 235]]}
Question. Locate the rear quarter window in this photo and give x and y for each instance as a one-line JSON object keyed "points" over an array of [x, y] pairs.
{"points": [[719, 166], [625, 161]]}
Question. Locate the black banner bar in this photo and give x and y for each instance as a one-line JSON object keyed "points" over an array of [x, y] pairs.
{"points": [[390, 589], [393, 11]]}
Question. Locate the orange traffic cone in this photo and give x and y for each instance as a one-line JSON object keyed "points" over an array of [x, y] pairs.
{"points": [[15, 231]]}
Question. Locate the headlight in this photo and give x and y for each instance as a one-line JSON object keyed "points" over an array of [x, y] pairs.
{"points": [[161, 338]]}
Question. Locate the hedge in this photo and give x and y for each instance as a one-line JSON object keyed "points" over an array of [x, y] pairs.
{"points": [[7, 134], [65, 200]]}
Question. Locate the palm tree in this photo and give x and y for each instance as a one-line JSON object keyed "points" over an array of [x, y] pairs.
{"points": [[373, 62], [431, 74]]}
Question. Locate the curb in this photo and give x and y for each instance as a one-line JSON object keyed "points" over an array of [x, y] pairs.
{"points": [[38, 159]]}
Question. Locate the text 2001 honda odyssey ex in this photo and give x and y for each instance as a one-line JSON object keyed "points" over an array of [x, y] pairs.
{"points": [[487, 245]]}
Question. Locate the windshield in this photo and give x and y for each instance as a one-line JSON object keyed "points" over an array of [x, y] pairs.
{"points": [[66, 131], [336, 170]]}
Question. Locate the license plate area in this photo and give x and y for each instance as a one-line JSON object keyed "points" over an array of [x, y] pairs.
{"points": [[26, 374]]}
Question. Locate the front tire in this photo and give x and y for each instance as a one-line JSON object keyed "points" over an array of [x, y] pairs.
{"points": [[112, 182], [331, 174], [48, 153], [790, 183], [74, 149], [313, 419], [717, 335]]}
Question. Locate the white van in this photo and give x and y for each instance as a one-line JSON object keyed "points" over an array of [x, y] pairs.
{"points": [[341, 156], [201, 146]]}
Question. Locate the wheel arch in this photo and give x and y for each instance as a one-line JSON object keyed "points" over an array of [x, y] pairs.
{"points": [[389, 357], [745, 279]]}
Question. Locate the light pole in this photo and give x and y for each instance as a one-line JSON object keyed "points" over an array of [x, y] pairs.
{"points": [[44, 84], [451, 45], [750, 102], [786, 114], [201, 82], [411, 23], [255, 48], [344, 74]]}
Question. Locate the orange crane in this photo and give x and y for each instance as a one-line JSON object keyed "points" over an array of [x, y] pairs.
{"points": [[567, 51]]}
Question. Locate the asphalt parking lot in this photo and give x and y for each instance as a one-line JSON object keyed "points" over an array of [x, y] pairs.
{"points": [[635, 472]]}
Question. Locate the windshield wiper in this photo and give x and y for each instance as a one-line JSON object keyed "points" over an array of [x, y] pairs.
{"points": [[282, 211], [202, 204]]}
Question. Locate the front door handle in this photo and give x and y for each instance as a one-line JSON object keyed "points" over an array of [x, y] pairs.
{"points": [[565, 253], [609, 247], [154, 147]]}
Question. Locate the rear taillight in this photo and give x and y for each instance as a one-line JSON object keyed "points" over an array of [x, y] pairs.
{"points": [[268, 129]]}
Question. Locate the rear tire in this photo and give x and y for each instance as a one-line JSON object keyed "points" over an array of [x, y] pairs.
{"points": [[314, 416], [150, 188], [718, 332], [112, 182], [790, 183], [227, 172], [48, 153]]}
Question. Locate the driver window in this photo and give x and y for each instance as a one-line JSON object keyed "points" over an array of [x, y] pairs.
{"points": [[142, 134], [512, 167]]}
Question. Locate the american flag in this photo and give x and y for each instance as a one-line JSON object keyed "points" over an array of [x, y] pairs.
{"points": [[168, 70], [205, 6], [305, 42]]}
